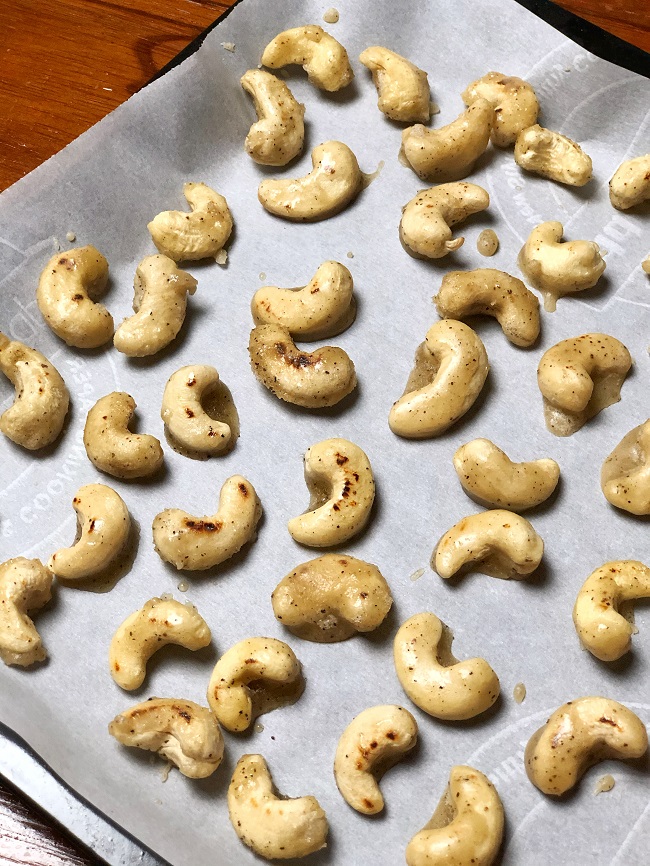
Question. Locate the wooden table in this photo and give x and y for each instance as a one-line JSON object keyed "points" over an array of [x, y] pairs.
{"points": [[64, 65]]}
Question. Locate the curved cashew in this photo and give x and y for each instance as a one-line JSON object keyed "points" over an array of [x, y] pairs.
{"points": [[552, 155], [323, 58], [434, 680], [274, 826], [25, 584], [196, 543], [625, 474], [449, 153], [630, 184], [339, 478], [36, 416], [186, 421], [66, 293], [182, 732], [317, 311], [403, 88], [111, 446], [578, 735], [331, 598], [425, 226], [253, 677], [492, 293], [467, 827], [557, 269], [331, 185], [104, 524], [160, 621], [451, 367], [514, 102], [185, 237], [279, 133], [579, 377], [310, 379], [372, 743]]}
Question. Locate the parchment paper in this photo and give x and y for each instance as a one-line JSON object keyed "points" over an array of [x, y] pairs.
{"points": [[105, 188]]}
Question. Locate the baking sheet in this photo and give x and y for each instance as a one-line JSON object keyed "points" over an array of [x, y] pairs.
{"points": [[190, 125]]}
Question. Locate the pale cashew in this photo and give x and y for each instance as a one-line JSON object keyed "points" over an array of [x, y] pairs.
{"points": [[579, 377], [274, 826], [66, 294], [449, 153], [625, 474], [339, 478], [310, 379], [331, 598], [403, 88], [578, 735], [103, 526], [451, 367], [557, 269], [499, 543], [323, 58], [187, 423], [489, 476], [372, 743], [111, 446], [552, 155], [279, 133], [425, 226], [25, 584], [255, 676], [179, 731], [317, 311], [492, 293], [467, 827], [514, 102], [630, 184], [434, 679], [196, 543], [160, 621], [201, 234], [36, 416]]}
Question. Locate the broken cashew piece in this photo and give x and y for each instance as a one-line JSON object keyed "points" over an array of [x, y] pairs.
{"points": [[279, 133], [403, 88], [25, 584], [578, 735], [625, 474], [630, 184], [323, 58], [514, 101], [552, 155], [186, 420], [200, 234]]}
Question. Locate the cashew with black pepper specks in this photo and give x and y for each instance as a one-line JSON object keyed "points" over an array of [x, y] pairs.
{"points": [[630, 184], [625, 474], [403, 89], [514, 101], [552, 155], [200, 234], [279, 133], [323, 58], [25, 584]]}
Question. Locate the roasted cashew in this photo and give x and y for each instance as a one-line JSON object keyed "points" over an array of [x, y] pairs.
{"points": [[492, 293], [200, 234], [182, 732], [578, 735], [66, 294], [630, 184], [403, 88], [160, 621], [253, 677], [625, 474], [36, 416], [279, 133], [323, 58], [552, 155], [514, 102], [186, 421], [579, 377], [25, 584], [451, 367], [372, 743]]}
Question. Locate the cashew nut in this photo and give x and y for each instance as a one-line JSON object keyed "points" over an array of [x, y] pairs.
{"points": [[253, 677], [552, 155], [185, 237], [579, 377], [625, 474], [489, 476], [425, 226], [179, 731], [331, 598], [467, 827], [310, 379], [274, 826], [492, 293], [403, 88], [160, 621], [557, 269], [514, 102], [317, 311], [111, 446], [451, 367], [323, 58], [66, 294], [434, 680], [279, 133], [630, 184], [36, 416], [25, 584], [372, 743], [339, 478], [196, 543], [578, 735]]}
